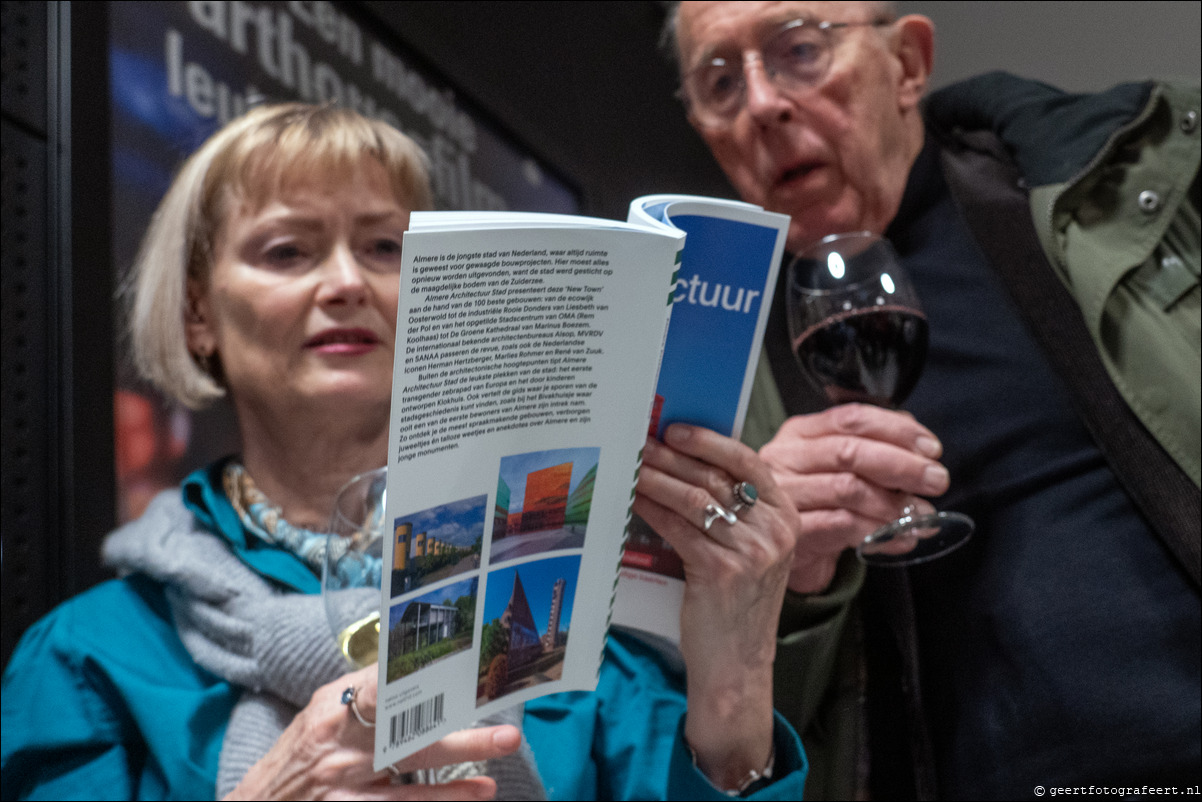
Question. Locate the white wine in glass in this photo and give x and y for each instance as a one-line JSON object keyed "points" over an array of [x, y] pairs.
{"points": [[350, 578]]}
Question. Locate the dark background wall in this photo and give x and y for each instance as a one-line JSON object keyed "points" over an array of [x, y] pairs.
{"points": [[579, 82]]}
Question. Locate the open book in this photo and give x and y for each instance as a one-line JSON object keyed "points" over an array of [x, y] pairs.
{"points": [[527, 354]]}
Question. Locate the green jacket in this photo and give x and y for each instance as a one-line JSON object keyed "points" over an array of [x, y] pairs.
{"points": [[1119, 222], [1114, 198]]}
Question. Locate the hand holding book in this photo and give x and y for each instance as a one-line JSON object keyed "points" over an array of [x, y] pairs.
{"points": [[735, 577]]}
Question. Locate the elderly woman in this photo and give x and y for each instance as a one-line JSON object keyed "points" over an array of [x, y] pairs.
{"points": [[270, 273]]}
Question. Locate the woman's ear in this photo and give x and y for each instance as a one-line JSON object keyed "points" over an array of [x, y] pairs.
{"points": [[198, 322], [915, 49]]}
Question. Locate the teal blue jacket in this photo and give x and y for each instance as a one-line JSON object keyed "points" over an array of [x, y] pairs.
{"points": [[101, 700]]}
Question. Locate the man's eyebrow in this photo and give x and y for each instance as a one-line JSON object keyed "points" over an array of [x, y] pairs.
{"points": [[770, 24]]}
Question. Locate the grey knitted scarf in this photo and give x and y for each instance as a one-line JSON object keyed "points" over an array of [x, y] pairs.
{"points": [[275, 644]]}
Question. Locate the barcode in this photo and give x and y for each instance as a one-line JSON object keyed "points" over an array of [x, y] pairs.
{"points": [[419, 719]]}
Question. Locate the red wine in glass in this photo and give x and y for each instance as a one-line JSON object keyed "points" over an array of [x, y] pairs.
{"points": [[860, 335], [871, 356]]}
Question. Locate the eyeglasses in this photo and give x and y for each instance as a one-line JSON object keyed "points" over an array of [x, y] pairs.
{"points": [[797, 55]]}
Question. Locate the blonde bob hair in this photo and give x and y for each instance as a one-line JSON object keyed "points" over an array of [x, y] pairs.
{"points": [[251, 161]]}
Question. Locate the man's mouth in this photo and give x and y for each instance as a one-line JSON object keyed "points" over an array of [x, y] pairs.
{"points": [[795, 173]]}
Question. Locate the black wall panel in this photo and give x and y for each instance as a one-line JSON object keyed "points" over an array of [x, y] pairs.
{"points": [[30, 575]]}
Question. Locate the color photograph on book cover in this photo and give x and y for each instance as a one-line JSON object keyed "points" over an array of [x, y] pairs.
{"points": [[527, 619], [543, 502], [438, 543], [431, 627]]}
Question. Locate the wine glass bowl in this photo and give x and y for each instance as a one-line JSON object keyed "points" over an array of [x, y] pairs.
{"points": [[860, 335], [350, 579], [855, 323]]}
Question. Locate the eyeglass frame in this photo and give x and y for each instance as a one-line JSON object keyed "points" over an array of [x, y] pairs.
{"points": [[825, 27]]}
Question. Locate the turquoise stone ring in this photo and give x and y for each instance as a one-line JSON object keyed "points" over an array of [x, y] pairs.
{"points": [[745, 496]]}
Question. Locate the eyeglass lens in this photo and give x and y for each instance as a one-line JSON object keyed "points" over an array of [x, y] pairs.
{"points": [[795, 56]]}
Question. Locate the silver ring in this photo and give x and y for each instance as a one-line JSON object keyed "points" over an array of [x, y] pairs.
{"points": [[715, 511], [349, 699], [745, 496]]}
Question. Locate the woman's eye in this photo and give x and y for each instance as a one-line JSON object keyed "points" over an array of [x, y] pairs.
{"points": [[284, 254], [386, 248]]}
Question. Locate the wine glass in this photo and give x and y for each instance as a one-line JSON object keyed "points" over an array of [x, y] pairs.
{"points": [[350, 577], [859, 333]]}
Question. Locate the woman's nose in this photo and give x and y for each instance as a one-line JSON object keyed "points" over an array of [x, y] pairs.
{"points": [[342, 277]]}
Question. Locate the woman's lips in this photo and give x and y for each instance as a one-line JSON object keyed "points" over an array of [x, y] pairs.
{"points": [[346, 342]]}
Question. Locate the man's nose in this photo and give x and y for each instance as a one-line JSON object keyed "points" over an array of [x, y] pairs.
{"points": [[766, 104]]}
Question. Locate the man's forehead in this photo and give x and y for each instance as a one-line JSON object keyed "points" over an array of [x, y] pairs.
{"points": [[707, 26]]}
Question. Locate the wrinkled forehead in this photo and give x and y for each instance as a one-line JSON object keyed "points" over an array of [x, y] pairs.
{"points": [[705, 29]]}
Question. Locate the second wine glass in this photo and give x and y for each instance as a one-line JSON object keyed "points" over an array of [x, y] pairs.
{"points": [[860, 335], [350, 579]]}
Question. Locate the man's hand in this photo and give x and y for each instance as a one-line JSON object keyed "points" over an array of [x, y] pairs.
{"points": [[849, 470]]}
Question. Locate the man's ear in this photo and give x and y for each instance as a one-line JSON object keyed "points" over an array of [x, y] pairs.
{"points": [[198, 321], [915, 49]]}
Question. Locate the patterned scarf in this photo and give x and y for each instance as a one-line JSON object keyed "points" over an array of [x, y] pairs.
{"points": [[349, 569]]}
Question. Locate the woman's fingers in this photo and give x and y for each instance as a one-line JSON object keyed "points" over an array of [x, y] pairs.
{"points": [[483, 743], [364, 682], [677, 510], [687, 470], [711, 464], [680, 532], [327, 753], [725, 454]]}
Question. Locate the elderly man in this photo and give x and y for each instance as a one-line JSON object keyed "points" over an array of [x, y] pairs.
{"points": [[1054, 241]]}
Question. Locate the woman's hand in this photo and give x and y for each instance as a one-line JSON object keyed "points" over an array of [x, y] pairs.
{"points": [[325, 753], [735, 578], [848, 471]]}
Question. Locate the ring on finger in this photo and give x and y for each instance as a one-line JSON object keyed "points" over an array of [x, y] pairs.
{"points": [[745, 496], [349, 698], [715, 511]]}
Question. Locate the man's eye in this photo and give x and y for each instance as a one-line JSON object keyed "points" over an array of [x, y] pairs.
{"points": [[797, 50], [720, 83], [802, 52]]}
